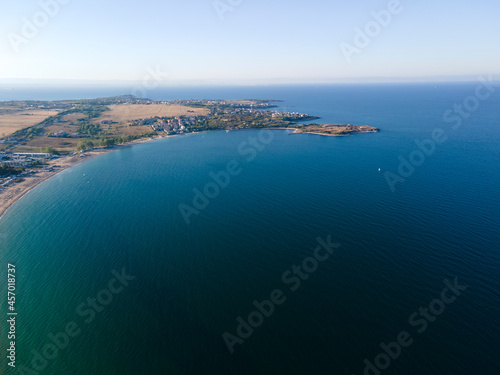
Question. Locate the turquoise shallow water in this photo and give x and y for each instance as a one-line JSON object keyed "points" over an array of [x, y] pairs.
{"points": [[192, 282]]}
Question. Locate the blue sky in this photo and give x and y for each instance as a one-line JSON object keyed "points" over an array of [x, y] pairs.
{"points": [[256, 42]]}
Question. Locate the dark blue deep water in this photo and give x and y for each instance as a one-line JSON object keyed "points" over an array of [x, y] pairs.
{"points": [[398, 250]]}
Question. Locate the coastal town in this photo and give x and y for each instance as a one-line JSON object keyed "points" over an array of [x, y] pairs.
{"points": [[118, 120], [230, 117]]}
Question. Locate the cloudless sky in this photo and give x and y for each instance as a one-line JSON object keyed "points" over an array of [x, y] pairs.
{"points": [[257, 42]]}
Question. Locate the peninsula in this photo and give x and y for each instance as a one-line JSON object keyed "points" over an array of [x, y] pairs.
{"points": [[41, 138], [335, 130]]}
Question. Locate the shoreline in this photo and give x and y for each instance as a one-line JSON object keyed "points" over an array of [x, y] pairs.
{"points": [[323, 134], [332, 135], [15, 192]]}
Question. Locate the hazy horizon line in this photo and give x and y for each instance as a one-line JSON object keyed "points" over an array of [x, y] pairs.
{"points": [[262, 82]]}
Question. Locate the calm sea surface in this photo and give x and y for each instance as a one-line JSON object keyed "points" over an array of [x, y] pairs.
{"points": [[193, 281]]}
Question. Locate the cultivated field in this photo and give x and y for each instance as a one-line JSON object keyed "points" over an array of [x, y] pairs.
{"points": [[121, 130], [130, 112], [11, 122]]}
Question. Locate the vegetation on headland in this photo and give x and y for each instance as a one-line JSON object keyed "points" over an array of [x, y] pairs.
{"points": [[338, 130]]}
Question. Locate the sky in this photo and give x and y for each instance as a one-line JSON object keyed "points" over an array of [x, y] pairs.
{"points": [[247, 41]]}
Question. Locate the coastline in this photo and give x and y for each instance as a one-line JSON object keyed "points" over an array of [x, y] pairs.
{"points": [[323, 134], [13, 193], [297, 131]]}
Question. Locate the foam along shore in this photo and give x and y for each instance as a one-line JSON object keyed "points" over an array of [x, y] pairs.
{"points": [[13, 192]]}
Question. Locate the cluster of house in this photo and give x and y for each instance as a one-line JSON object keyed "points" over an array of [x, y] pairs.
{"points": [[234, 111], [168, 125], [18, 160], [292, 115], [258, 113]]}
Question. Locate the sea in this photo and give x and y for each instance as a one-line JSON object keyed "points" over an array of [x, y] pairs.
{"points": [[264, 252]]}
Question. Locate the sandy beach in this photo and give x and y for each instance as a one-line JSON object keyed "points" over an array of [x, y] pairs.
{"points": [[12, 193]]}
